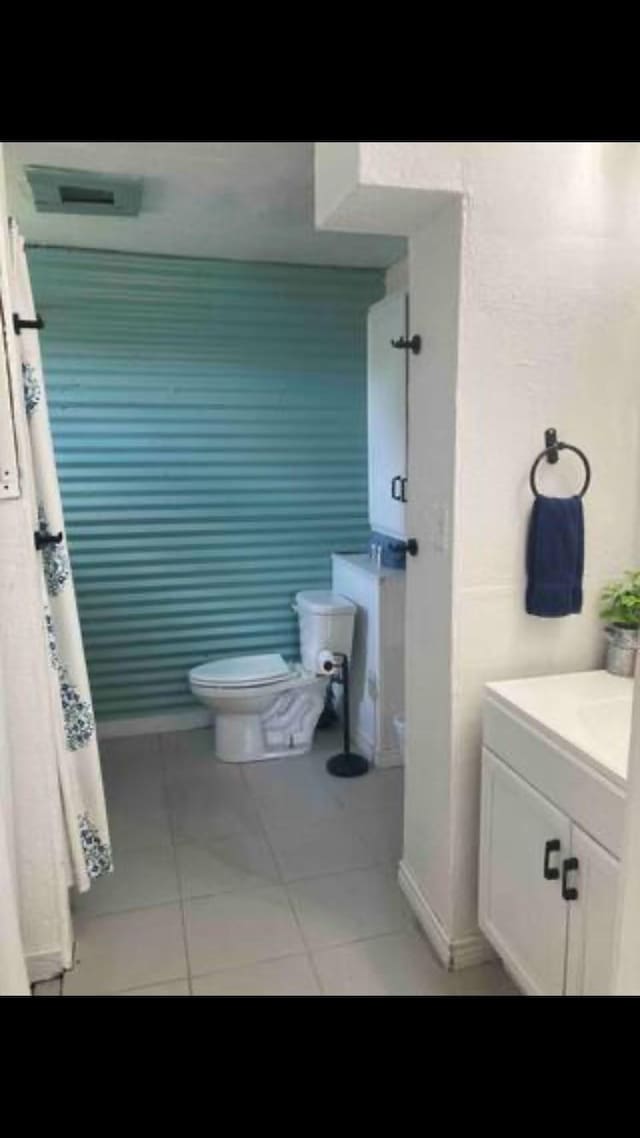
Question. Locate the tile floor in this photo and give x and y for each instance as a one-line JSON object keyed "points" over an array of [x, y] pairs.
{"points": [[269, 879]]}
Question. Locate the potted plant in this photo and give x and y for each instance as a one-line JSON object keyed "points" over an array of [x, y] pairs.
{"points": [[621, 607]]}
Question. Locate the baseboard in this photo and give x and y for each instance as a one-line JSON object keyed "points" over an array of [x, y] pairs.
{"points": [[472, 949], [154, 724], [45, 966], [390, 757], [454, 954], [387, 758], [422, 910]]}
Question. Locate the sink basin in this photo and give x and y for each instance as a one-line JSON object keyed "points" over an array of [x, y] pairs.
{"points": [[568, 736], [607, 724], [589, 712]]}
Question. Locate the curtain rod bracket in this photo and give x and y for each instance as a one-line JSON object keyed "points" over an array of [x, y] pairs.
{"points": [[19, 323]]}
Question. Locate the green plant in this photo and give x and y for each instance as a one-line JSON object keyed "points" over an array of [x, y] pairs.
{"points": [[621, 601]]}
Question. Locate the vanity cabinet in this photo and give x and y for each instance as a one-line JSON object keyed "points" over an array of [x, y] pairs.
{"points": [[548, 890], [387, 415]]}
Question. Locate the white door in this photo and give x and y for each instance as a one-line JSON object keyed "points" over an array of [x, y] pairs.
{"points": [[387, 415], [591, 917], [523, 842]]}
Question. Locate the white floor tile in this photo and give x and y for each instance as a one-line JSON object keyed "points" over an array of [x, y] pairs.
{"points": [[187, 752], [206, 808], [184, 824], [381, 831], [326, 742], [171, 988], [127, 950], [243, 861], [289, 976], [138, 821], [129, 748], [291, 789], [379, 789], [349, 906], [400, 964], [304, 849], [140, 878], [483, 980], [240, 928], [130, 761]]}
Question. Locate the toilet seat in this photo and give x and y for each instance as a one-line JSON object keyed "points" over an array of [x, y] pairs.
{"points": [[241, 672]]}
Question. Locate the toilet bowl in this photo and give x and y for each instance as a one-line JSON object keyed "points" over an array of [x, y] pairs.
{"points": [[264, 708]]}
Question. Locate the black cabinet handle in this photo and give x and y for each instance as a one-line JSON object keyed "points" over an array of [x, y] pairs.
{"points": [[414, 344], [552, 846], [403, 489], [569, 892], [396, 494]]}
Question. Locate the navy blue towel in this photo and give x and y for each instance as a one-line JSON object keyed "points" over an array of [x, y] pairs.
{"points": [[555, 557]]}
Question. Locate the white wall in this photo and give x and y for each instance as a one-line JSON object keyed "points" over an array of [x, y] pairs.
{"points": [[397, 277], [434, 257], [548, 336]]}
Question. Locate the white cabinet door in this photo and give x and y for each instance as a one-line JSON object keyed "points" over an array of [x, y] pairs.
{"points": [[387, 415], [592, 917], [521, 911]]}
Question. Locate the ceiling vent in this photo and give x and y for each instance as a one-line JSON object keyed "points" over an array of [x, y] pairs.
{"points": [[83, 191]]}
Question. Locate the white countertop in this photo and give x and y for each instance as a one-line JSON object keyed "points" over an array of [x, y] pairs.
{"points": [[363, 561], [588, 711]]}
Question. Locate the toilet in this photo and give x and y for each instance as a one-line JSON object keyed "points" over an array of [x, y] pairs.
{"points": [[265, 708]]}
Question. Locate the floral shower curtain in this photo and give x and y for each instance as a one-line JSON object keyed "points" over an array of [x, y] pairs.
{"points": [[77, 750]]}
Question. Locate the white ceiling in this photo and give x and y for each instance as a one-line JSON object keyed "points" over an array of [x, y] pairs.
{"points": [[238, 200]]}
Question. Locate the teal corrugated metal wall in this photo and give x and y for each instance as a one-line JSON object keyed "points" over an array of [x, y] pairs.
{"points": [[209, 420]]}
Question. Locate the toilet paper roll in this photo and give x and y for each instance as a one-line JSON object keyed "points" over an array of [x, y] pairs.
{"points": [[326, 663]]}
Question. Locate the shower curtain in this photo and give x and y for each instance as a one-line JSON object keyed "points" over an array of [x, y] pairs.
{"points": [[13, 973], [76, 746]]}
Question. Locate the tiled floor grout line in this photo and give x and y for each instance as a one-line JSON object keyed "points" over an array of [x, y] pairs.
{"points": [[153, 984], [165, 798], [249, 964], [256, 800], [255, 797], [283, 883], [292, 908], [308, 948]]}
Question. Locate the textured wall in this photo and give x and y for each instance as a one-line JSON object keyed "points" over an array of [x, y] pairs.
{"points": [[209, 420], [548, 335]]}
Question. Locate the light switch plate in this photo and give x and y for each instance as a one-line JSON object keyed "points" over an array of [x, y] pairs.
{"points": [[438, 538]]}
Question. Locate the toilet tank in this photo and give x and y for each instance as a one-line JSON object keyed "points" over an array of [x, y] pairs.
{"points": [[326, 625]]}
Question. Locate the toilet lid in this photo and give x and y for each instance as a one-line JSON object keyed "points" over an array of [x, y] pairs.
{"points": [[241, 671]]}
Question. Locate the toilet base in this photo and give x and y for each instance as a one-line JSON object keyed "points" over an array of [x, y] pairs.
{"points": [[238, 738], [247, 745], [286, 728]]}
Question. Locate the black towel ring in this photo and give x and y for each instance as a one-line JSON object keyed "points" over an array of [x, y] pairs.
{"points": [[556, 447]]}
